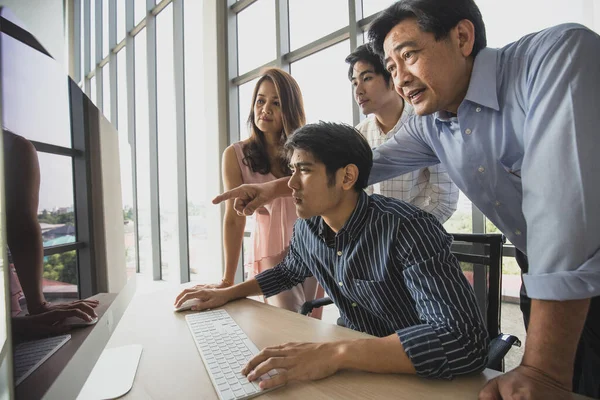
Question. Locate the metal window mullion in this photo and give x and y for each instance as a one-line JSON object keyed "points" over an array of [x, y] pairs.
{"points": [[320, 44], [479, 271], [282, 30], [130, 45], [233, 98], [153, 140], [356, 39], [179, 69]]}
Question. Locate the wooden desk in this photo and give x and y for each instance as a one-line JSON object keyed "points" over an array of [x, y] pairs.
{"points": [[171, 367]]}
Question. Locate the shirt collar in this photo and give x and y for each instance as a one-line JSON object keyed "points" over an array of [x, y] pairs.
{"points": [[482, 86], [356, 221]]}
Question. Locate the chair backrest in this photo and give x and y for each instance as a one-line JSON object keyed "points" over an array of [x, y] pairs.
{"points": [[484, 253]]}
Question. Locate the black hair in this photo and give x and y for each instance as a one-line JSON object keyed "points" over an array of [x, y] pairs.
{"points": [[366, 54], [433, 16], [336, 146]]}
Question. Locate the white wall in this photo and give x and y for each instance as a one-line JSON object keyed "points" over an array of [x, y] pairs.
{"points": [[44, 19]]}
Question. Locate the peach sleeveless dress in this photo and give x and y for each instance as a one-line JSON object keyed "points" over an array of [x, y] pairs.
{"points": [[271, 241]]}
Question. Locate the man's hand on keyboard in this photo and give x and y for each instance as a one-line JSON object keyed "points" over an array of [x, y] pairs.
{"points": [[209, 298], [293, 361]]}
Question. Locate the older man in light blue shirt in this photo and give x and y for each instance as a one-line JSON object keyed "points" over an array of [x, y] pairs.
{"points": [[518, 130]]}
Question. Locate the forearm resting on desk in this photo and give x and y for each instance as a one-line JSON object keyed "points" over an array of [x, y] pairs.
{"points": [[381, 355], [245, 289], [552, 337]]}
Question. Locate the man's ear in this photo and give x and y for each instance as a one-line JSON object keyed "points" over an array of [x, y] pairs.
{"points": [[464, 32], [350, 177]]}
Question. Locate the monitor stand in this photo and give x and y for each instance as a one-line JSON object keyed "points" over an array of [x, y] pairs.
{"points": [[113, 374]]}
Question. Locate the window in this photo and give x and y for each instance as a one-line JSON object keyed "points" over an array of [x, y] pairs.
{"points": [[106, 107], [93, 35], [93, 96], [139, 11], [256, 35], [55, 210], [323, 79], [312, 19], [142, 143], [167, 146], [121, 24], [371, 7], [462, 220], [125, 159], [202, 155], [245, 95], [105, 25]]}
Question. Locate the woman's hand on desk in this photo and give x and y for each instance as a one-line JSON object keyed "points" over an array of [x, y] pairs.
{"points": [[293, 361], [209, 298], [44, 324], [84, 306]]}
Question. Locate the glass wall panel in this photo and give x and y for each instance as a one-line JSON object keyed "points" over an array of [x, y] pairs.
{"points": [[121, 25], [256, 35], [55, 209], [105, 25], [202, 175], [245, 98], [93, 33], [125, 159], [323, 80], [462, 220], [142, 137], [139, 10], [167, 145], [106, 92], [371, 7], [312, 19]]}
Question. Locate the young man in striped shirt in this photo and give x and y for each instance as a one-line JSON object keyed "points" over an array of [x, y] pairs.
{"points": [[429, 188], [385, 263]]}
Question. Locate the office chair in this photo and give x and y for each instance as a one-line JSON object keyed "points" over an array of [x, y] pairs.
{"points": [[484, 253]]}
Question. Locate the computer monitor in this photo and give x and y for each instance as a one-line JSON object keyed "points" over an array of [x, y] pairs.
{"points": [[39, 102]]}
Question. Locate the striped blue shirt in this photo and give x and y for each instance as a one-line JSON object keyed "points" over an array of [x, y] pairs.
{"points": [[390, 269]]}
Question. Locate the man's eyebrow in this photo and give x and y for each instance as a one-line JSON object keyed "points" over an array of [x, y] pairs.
{"points": [[366, 71], [300, 164], [399, 47]]}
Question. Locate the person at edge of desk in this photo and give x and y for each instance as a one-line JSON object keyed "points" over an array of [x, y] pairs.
{"points": [[517, 130], [385, 263], [25, 244]]}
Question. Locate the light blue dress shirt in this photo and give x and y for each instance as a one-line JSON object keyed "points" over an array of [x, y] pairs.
{"points": [[524, 148]]}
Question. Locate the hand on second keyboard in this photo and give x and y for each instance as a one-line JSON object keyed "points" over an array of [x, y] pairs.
{"points": [[293, 361]]}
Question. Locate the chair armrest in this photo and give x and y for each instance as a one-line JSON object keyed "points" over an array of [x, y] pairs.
{"points": [[499, 346], [308, 306]]}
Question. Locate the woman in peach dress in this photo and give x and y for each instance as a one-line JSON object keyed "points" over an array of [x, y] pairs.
{"points": [[277, 110]]}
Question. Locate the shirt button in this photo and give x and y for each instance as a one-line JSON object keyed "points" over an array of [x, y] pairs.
{"points": [[517, 232], [341, 283], [339, 253], [353, 304], [468, 131], [478, 109], [481, 169], [497, 203]]}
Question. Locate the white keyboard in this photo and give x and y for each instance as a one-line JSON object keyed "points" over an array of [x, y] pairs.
{"points": [[225, 349], [28, 356]]}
